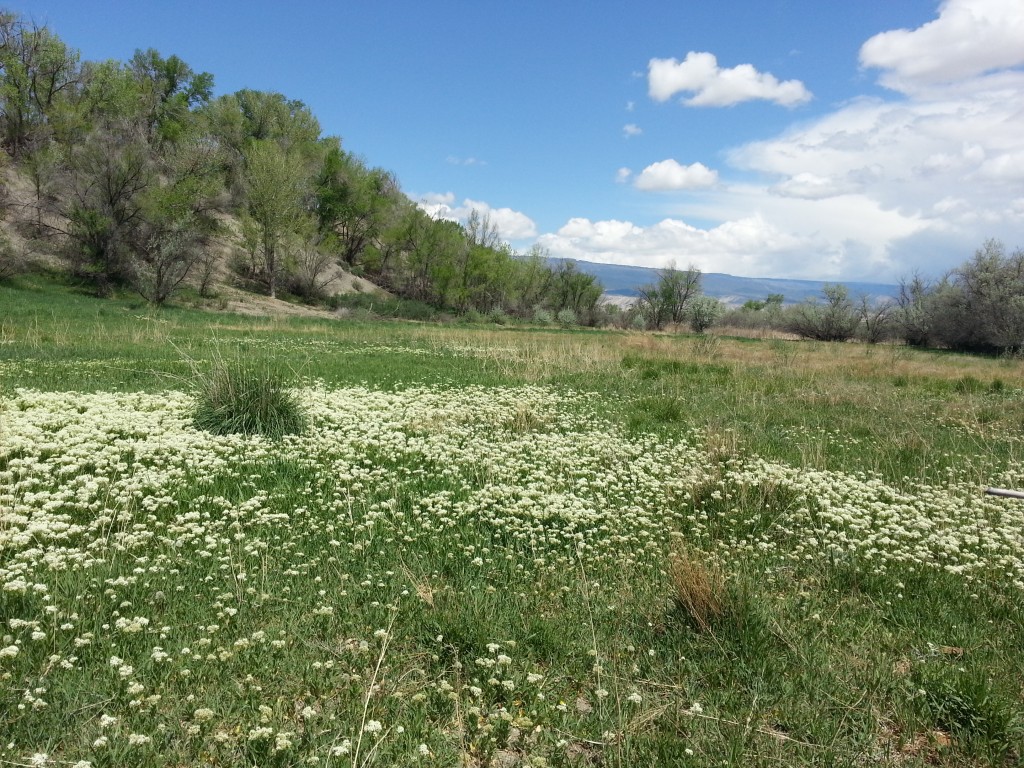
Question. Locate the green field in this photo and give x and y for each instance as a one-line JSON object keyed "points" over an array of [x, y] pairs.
{"points": [[502, 547]]}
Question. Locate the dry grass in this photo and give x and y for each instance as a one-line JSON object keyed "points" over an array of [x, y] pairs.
{"points": [[698, 587]]}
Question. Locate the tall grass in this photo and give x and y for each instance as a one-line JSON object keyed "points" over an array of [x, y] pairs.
{"points": [[239, 397]]}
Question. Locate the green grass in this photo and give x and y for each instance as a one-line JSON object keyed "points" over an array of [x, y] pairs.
{"points": [[470, 542], [235, 397]]}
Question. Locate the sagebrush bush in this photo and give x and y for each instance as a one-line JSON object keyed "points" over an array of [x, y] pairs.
{"points": [[240, 398]]}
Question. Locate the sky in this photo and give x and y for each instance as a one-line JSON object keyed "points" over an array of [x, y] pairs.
{"points": [[811, 139]]}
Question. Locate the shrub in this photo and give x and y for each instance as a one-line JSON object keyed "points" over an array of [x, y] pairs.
{"points": [[704, 312], [498, 316], [240, 398], [367, 305], [542, 316], [566, 317], [978, 307], [835, 319], [471, 316]]}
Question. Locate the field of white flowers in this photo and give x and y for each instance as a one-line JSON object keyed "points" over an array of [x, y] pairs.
{"points": [[429, 575]]}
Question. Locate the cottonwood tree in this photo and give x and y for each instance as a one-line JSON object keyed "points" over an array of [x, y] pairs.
{"points": [[354, 204], [532, 280], [667, 300], [235, 121], [572, 289], [270, 115], [102, 204], [37, 71], [482, 266], [481, 230], [178, 219], [276, 185], [168, 91]]}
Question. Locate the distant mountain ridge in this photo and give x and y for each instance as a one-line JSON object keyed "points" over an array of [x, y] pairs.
{"points": [[621, 280]]}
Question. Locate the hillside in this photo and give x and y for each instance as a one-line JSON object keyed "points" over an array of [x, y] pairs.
{"points": [[143, 180]]}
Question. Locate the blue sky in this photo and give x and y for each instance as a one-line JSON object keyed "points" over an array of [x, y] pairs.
{"points": [[775, 138]]}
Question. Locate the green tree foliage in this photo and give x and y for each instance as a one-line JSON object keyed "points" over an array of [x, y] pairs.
{"points": [[668, 300], [354, 204], [269, 115], [168, 91], [131, 162], [178, 219], [571, 289], [106, 180], [277, 186], [135, 216], [533, 278], [37, 72], [235, 121], [978, 307]]}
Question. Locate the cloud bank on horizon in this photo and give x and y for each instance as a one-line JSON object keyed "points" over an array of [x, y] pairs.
{"points": [[867, 189]]}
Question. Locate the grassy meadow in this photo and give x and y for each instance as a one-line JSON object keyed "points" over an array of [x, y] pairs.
{"points": [[502, 547]]}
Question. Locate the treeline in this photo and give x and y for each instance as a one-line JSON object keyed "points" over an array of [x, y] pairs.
{"points": [[135, 167], [976, 307]]}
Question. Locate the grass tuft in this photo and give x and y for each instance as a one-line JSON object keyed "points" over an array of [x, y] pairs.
{"points": [[698, 589], [240, 398], [965, 703]]}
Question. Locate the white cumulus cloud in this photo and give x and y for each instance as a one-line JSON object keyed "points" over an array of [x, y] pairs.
{"points": [[511, 224], [631, 129], [871, 189], [671, 175], [910, 156], [836, 238], [969, 38], [810, 186], [744, 247], [713, 86]]}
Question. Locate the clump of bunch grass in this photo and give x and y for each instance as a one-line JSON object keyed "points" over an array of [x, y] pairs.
{"points": [[236, 397], [699, 588]]}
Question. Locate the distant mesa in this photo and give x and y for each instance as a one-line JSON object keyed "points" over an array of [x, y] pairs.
{"points": [[622, 282]]}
